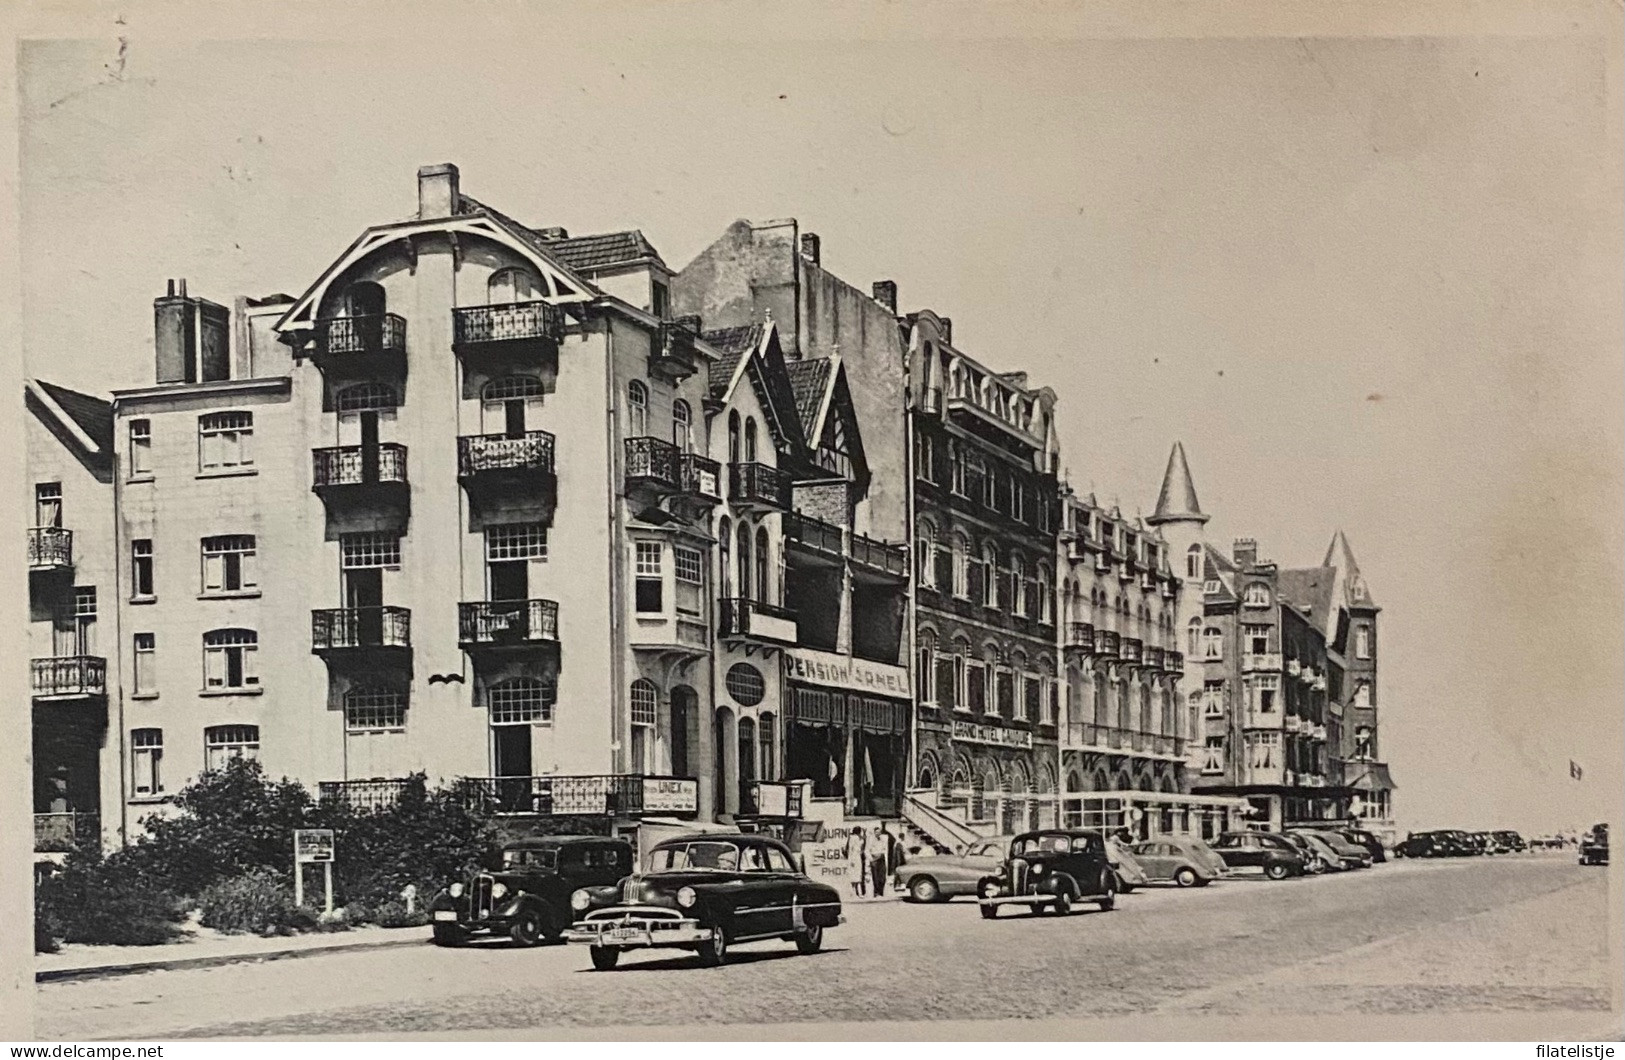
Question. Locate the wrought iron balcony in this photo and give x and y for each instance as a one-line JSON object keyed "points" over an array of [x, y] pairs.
{"points": [[362, 794], [671, 349], [360, 346], [740, 618], [522, 329], [699, 477], [356, 629], [610, 795], [881, 557], [652, 463], [1080, 637], [59, 833], [1173, 662], [1129, 650], [1266, 662], [1152, 658], [503, 454], [50, 548], [507, 624], [359, 470], [69, 677], [760, 486], [1107, 642]]}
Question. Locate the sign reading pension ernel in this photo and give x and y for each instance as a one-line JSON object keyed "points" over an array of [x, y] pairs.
{"points": [[972, 732], [860, 675]]}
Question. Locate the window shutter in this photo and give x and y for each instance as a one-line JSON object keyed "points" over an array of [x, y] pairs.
{"points": [[213, 571], [214, 667], [250, 566]]}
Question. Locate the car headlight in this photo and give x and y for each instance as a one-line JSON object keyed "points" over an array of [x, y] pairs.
{"points": [[1038, 870], [686, 897], [498, 890], [990, 889], [580, 900], [455, 890]]}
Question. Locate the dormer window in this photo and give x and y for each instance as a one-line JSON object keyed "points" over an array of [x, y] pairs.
{"points": [[513, 285], [660, 300], [1258, 595]]}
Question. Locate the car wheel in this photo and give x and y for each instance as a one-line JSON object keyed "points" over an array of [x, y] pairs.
{"points": [[811, 940], [989, 912], [1062, 905], [605, 957], [714, 950], [449, 935], [1277, 871], [1125, 887], [526, 929], [1186, 877], [1108, 892], [924, 889]]}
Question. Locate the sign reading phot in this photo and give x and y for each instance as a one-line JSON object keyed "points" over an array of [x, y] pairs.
{"points": [[670, 795], [971, 732], [312, 845], [857, 675], [828, 861]]}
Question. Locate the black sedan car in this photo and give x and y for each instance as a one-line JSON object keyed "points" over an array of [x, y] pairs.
{"points": [[706, 893], [1050, 870], [525, 894], [1369, 840], [1268, 852], [1594, 846], [1441, 844]]}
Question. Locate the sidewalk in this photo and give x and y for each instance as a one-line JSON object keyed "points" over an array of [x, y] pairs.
{"points": [[207, 949]]}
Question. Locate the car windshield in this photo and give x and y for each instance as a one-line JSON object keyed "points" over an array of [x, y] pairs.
{"points": [[529, 858], [1043, 844], [701, 854]]}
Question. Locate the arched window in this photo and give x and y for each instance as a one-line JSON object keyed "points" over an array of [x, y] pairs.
{"points": [[637, 406], [1212, 643], [733, 437], [1146, 724], [645, 708], [961, 549], [1124, 719], [1257, 595], [925, 667], [745, 564], [1045, 602], [990, 574], [367, 397], [1193, 637], [230, 659], [1018, 584], [363, 299], [222, 743], [750, 439], [1102, 708], [725, 553], [962, 674], [761, 580], [645, 701], [682, 427], [513, 285], [925, 550], [1193, 563]]}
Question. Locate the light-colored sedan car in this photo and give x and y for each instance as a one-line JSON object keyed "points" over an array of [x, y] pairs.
{"points": [[1182, 860], [939, 877], [1130, 873]]}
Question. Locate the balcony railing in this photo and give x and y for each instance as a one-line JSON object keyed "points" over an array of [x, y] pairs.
{"points": [[1261, 661], [759, 485], [487, 453], [505, 623], [362, 794], [699, 476], [1152, 658], [611, 795], [814, 534], [671, 352], [1107, 642], [1129, 649], [350, 628], [1080, 636], [880, 555], [356, 465], [1173, 662], [738, 617], [361, 336], [511, 322], [652, 461], [61, 832], [69, 676], [50, 548]]}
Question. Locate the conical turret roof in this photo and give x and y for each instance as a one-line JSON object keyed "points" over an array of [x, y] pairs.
{"points": [[1340, 557], [1177, 502]]}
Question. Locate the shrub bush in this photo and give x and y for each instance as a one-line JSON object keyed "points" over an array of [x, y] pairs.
{"points": [[259, 902], [104, 902], [424, 838], [394, 915]]}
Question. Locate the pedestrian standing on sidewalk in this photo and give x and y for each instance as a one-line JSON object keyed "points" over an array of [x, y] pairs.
{"points": [[877, 863], [857, 852]]}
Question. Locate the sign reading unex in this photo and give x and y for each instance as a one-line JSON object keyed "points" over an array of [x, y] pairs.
{"points": [[857, 675]]}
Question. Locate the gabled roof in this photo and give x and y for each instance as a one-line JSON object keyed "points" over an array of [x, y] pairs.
{"points": [[606, 250], [733, 345], [91, 415], [1176, 501], [1310, 589], [810, 380], [1217, 567]]}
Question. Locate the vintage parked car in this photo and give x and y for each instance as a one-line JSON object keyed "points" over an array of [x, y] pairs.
{"points": [[1314, 862], [1512, 842], [939, 877], [526, 895], [1340, 852], [706, 893], [1324, 852], [1440, 843], [1181, 860], [1594, 846], [1267, 852], [1368, 840], [1130, 873], [1051, 869]]}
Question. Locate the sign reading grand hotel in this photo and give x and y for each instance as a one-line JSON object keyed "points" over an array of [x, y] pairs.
{"points": [[971, 732], [857, 675]]}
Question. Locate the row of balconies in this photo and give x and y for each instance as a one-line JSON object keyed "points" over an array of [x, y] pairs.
{"points": [[1092, 737], [612, 795], [834, 544], [1084, 639]]}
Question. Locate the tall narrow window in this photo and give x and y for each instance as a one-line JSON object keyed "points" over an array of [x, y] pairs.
{"points": [[1362, 642], [225, 441], [745, 567], [140, 447], [222, 743], [767, 744], [146, 762], [682, 427], [645, 705], [961, 549], [990, 575], [750, 439], [733, 437], [1018, 585], [48, 504], [1212, 643], [689, 565], [925, 668], [637, 407], [650, 577], [141, 569], [925, 547], [145, 661], [1046, 604], [230, 660], [1193, 637], [762, 558], [229, 564]]}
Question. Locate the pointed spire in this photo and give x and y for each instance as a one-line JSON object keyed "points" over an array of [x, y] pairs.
{"points": [[1177, 502], [1340, 557]]}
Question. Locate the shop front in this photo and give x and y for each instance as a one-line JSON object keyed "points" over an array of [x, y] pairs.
{"points": [[846, 729]]}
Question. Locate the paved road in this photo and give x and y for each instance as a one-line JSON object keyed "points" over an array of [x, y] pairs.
{"points": [[1485, 939]]}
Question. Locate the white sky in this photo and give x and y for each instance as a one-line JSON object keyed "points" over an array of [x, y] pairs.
{"points": [[1371, 284]]}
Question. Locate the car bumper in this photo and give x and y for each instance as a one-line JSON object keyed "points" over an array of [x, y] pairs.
{"points": [[1019, 899], [493, 924], [631, 929]]}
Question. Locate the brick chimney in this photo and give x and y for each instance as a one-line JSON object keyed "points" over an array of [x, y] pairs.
{"points": [[810, 247], [1245, 552], [437, 191], [191, 337], [947, 330], [553, 235], [886, 294]]}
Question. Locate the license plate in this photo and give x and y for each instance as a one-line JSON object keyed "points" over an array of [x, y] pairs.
{"points": [[445, 914], [626, 933]]}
